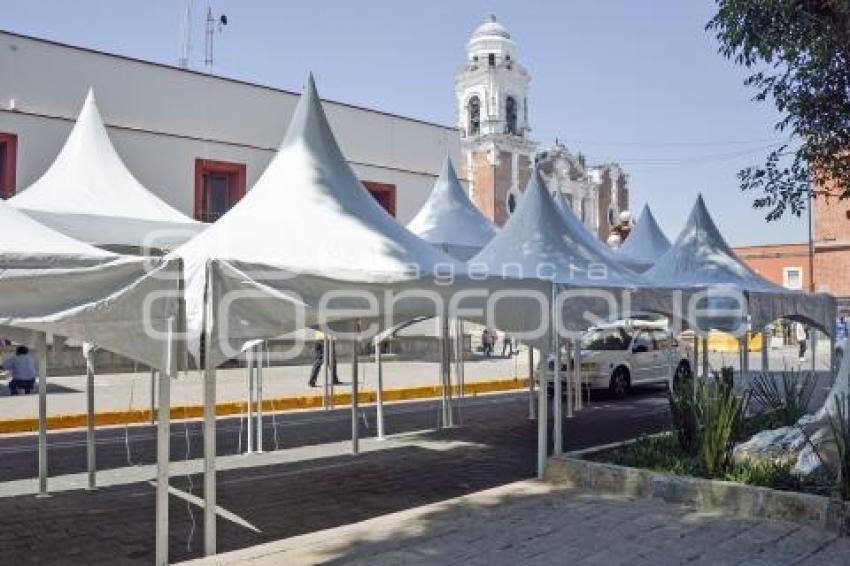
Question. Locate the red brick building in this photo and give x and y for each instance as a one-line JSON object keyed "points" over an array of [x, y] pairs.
{"points": [[832, 244], [783, 264]]}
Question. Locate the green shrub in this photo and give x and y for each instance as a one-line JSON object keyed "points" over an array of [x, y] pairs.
{"points": [[720, 413], [681, 397], [785, 400]]}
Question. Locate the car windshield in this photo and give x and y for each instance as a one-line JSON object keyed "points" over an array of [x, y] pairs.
{"points": [[606, 339]]}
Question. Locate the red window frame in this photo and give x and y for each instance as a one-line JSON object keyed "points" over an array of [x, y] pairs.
{"points": [[8, 173], [384, 193], [237, 174]]}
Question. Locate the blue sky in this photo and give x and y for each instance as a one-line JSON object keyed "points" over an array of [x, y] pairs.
{"points": [[636, 82]]}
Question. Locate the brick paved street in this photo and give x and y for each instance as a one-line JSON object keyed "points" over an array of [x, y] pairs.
{"points": [[531, 523], [324, 488]]}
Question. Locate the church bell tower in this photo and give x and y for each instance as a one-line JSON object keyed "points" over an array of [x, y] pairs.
{"points": [[492, 90]]}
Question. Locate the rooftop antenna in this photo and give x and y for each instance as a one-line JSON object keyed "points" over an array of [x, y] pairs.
{"points": [[185, 33], [213, 22]]}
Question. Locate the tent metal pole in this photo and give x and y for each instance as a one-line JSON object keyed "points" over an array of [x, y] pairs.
{"points": [[745, 353], [355, 386], [332, 364], [577, 370], [91, 456], [447, 340], [380, 398], [209, 459], [705, 357], [557, 397], [459, 369], [261, 354], [832, 359], [444, 418], [326, 359], [41, 357], [163, 447], [765, 356], [153, 396], [542, 418], [695, 364], [249, 359], [531, 415]]}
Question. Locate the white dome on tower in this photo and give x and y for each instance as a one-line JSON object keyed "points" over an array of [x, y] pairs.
{"points": [[491, 37]]}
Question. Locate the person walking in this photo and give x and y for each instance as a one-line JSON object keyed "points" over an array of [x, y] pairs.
{"points": [[23, 368], [801, 335], [318, 360], [507, 344]]}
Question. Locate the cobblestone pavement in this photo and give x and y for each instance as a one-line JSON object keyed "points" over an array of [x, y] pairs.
{"points": [[531, 523], [272, 500]]}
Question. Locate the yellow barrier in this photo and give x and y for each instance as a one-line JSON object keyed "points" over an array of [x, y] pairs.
{"points": [[723, 342], [56, 422]]}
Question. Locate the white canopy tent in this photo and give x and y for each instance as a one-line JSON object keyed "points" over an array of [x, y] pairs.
{"points": [[450, 221], [306, 229], [129, 305], [88, 193], [700, 258], [644, 245], [540, 246]]}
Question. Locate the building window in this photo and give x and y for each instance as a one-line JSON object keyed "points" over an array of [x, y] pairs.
{"points": [[8, 164], [611, 217], [218, 186], [511, 203], [491, 59], [474, 112], [384, 193], [510, 115], [792, 277]]}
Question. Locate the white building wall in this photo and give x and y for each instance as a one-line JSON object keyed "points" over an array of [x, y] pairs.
{"points": [[162, 118]]}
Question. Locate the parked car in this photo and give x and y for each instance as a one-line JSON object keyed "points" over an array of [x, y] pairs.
{"points": [[627, 353]]}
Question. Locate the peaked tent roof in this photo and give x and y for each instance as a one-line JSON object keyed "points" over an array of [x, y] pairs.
{"points": [[89, 194], [537, 234], [579, 230], [701, 258], [51, 282], [449, 220], [645, 244], [309, 218]]}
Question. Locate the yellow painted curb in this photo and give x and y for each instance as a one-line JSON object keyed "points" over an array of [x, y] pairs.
{"points": [[56, 422]]}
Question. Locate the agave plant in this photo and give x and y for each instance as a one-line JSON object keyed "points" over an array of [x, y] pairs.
{"points": [[683, 409], [786, 399], [720, 412]]}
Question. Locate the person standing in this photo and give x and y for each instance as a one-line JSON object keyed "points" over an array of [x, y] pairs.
{"points": [[318, 360], [801, 335], [23, 368], [507, 344]]}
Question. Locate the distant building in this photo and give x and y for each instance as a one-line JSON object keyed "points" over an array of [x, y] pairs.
{"points": [[197, 140], [832, 244], [498, 155], [783, 264]]}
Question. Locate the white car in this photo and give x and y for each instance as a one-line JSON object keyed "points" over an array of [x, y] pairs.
{"points": [[620, 355]]}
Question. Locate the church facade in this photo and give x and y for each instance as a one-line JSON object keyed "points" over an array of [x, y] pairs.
{"points": [[497, 152]]}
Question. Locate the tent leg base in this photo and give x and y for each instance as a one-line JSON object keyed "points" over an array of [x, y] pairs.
{"points": [[43, 496]]}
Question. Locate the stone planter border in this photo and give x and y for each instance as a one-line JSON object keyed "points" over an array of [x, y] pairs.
{"points": [[572, 470]]}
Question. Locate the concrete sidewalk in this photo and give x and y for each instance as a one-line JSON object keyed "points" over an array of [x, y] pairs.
{"points": [[534, 523], [132, 391]]}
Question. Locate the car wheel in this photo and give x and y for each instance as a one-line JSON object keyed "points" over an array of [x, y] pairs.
{"points": [[620, 383], [683, 372]]}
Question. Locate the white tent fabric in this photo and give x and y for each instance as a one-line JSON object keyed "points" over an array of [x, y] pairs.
{"points": [[450, 221], [88, 193], [52, 283], [644, 245], [579, 230], [701, 259], [538, 244], [308, 226]]}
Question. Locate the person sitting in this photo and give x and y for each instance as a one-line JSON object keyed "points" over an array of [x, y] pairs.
{"points": [[23, 369]]}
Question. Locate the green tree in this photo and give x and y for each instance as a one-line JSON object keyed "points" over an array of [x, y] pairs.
{"points": [[798, 52]]}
